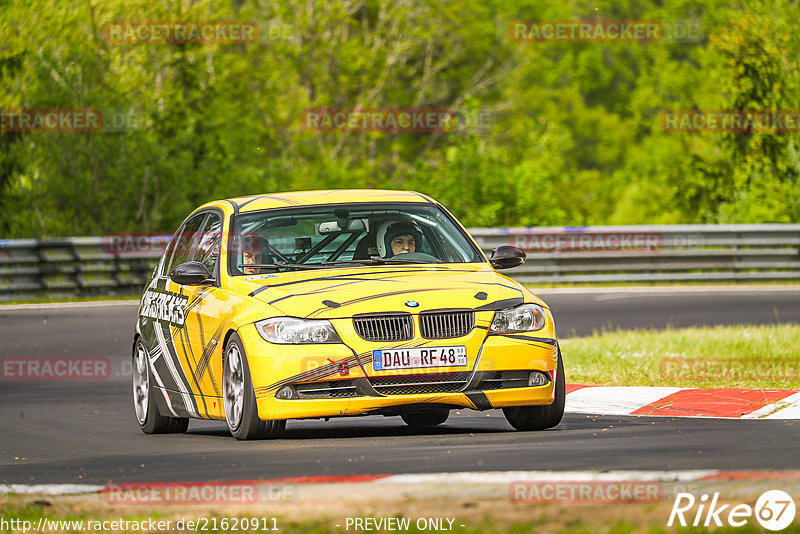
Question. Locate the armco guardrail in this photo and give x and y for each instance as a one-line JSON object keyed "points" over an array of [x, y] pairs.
{"points": [[728, 253], [72, 266]]}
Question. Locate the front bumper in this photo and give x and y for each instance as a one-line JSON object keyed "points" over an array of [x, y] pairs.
{"points": [[498, 364], [272, 408]]}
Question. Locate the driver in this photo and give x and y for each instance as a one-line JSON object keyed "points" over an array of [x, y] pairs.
{"points": [[254, 252], [398, 238]]}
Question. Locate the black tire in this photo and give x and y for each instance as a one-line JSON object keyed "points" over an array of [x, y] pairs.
{"points": [[246, 424], [149, 418], [432, 417], [544, 416]]}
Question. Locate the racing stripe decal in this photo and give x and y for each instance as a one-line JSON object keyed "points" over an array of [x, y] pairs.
{"points": [[323, 371], [491, 284], [160, 366], [208, 350], [153, 357], [161, 362], [290, 201], [546, 340], [479, 399], [235, 206], [501, 304], [423, 197], [198, 298], [188, 354], [188, 349], [171, 359], [360, 277], [379, 295], [319, 291], [471, 381]]}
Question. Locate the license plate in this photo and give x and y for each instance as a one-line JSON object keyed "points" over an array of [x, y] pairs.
{"points": [[419, 357]]}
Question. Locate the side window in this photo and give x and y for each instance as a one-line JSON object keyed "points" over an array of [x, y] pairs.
{"points": [[185, 242], [164, 265], [210, 240]]}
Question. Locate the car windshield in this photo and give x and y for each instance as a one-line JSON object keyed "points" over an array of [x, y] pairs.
{"points": [[317, 237]]}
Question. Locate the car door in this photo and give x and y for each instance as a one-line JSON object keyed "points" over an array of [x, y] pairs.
{"points": [[198, 342], [163, 318]]}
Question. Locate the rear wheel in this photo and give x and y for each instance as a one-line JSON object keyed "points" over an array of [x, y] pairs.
{"points": [[431, 417], [147, 415], [540, 417], [241, 410]]}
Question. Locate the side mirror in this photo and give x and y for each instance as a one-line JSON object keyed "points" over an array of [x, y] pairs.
{"points": [[191, 273], [506, 257]]}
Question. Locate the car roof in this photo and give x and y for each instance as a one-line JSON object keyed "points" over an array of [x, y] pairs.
{"points": [[333, 196]]}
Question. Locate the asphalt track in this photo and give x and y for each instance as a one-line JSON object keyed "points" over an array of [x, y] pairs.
{"points": [[85, 432]]}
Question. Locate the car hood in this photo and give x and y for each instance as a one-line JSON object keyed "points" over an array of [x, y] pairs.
{"points": [[343, 292]]}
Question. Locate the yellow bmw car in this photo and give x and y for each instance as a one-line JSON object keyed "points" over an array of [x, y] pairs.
{"points": [[320, 304]]}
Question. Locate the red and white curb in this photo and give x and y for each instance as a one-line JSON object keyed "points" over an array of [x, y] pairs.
{"points": [[683, 402]]}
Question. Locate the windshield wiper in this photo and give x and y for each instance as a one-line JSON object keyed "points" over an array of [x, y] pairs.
{"points": [[280, 265], [374, 260]]}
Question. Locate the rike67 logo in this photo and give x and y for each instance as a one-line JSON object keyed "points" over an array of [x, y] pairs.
{"points": [[774, 510]]}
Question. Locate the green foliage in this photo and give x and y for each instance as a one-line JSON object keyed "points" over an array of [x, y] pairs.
{"points": [[559, 133]]}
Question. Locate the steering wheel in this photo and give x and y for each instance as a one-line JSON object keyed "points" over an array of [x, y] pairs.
{"points": [[419, 256]]}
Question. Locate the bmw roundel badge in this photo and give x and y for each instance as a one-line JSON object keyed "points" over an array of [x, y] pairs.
{"points": [[412, 303]]}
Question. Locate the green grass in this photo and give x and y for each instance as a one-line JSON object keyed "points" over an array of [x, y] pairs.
{"points": [[757, 357]]}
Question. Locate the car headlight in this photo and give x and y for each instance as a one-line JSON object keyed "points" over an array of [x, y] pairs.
{"points": [[293, 331], [524, 318]]}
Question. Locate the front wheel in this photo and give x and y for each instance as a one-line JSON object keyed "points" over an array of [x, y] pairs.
{"points": [[147, 415], [241, 410], [541, 417]]}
